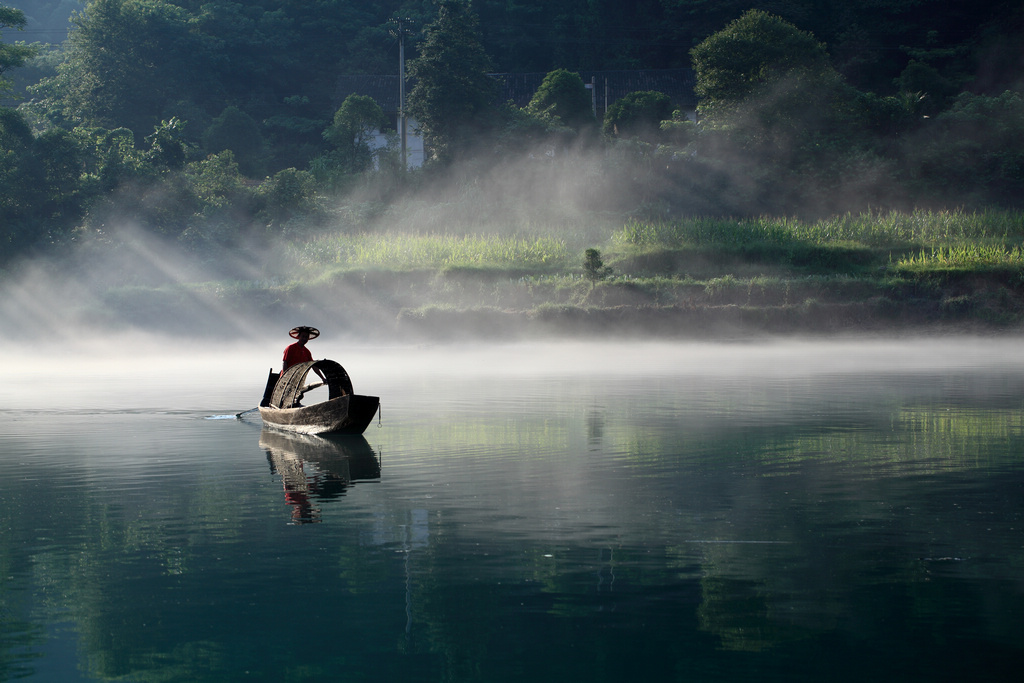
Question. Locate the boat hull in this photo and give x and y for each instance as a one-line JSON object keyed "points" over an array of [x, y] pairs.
{"points": [[350, 414]]}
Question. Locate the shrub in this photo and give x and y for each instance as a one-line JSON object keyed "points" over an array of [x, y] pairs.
{"points": [[563, 94], [638, 114]]}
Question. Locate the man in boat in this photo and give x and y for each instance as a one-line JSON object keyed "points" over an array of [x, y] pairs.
{"points": [[298, 353], [293, 354]]}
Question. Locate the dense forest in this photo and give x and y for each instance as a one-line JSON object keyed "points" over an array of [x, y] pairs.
{"points": [[211, 122]]}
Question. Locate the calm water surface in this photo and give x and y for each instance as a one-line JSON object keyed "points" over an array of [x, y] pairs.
{"points": [[811, 513]]}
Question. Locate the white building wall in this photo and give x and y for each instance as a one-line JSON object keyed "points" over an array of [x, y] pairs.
{"points": [[413, 143]]}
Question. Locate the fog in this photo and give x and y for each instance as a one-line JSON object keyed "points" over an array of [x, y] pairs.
{"points": [[117, 275], [150, 373], [119, 293]]}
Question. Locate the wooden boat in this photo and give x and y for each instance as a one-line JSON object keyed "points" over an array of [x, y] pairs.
{"points": [[344, 411]]}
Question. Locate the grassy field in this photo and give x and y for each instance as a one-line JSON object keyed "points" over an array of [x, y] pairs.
{"points": [[693, 277]]}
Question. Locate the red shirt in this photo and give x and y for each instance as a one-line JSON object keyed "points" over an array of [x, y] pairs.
{"points": [[294, 354]]}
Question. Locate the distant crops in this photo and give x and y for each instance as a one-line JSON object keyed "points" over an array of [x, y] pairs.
{"points": [[919, 228], [397, 251], [964, 257], [915, 242]]}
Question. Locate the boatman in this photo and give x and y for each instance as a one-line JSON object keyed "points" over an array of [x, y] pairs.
{"points": [[293, 355], [298, 353]]}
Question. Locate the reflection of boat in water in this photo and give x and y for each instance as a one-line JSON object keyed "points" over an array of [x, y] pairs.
{"points": [[317, 468], [344, 411]]}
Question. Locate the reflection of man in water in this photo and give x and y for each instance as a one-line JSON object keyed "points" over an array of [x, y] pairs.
{"points": [[299, 488], [304, 484]]}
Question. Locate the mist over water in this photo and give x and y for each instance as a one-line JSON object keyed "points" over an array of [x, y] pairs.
{"points": [[138, 371]]}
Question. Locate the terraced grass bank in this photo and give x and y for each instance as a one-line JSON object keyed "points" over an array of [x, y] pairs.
{"points": [[940, 271]]}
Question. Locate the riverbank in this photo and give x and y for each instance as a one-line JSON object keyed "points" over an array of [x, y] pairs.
{"points": [[436, 306], [924, 272]]}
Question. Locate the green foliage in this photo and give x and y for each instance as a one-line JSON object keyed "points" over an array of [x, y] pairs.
{"points": [[593, 266], [638, 114], [12, 56], [892, 115], [974, 151], [126, 62], [167, 145], [352, 130], [679, 130], [355, 121], [776, 127], [15, 189], [403, 251], [60, 159], [519, 130], [287, 195], [749, 54], [217, 180], [294, 136], [895, 229], [237, 131], [224, 203], [965, 257], [41, 193], [117, 161], [562, 94], [15, 133], [936, 90], [778, 115], [453, 95]]}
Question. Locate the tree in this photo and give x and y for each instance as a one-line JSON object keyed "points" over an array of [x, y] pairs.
{"points": [[61, 159], [750, 55], [563, 94], [126, 63], [354, 123], [117, 160], [638, 114], [287, 195], [237, 131], [166, 146], [453, 98], [678, 130], [769, 88], [921, 78], [593, 266], [973, 153], [12, 56], [778, 116], [15, 187], [41, 189]]}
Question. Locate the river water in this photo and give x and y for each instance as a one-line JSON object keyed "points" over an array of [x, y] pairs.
{"points": [[776, 512]]}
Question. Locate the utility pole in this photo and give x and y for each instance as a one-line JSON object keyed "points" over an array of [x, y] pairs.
{"points": [[400, 32]]}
